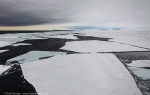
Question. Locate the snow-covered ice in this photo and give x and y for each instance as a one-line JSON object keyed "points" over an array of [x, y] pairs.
{"points": [[137, 38], [4, 43], [34, 55], [99, 46], [140, 63], [12, 38], [141, 72], [80, 74]]}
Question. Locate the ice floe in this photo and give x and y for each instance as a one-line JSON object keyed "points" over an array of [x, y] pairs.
{"points": [[80, 74], [141, 72], [140, 63], [4, 43], [34, 55], [11, 38], [136, 38], [99, 46], [18, 44]]}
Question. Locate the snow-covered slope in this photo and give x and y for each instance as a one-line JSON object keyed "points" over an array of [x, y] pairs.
{"points": [[80, 74]]}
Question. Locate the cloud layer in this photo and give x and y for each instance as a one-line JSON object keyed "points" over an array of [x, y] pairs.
{"points": [[98, 13]]}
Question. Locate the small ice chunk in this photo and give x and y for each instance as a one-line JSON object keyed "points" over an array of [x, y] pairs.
{"points": [[140, 63], [141, 72], [18, 44], [3, 51]]}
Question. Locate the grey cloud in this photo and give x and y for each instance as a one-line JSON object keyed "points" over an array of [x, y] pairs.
{"points": [[24, 13], [99, 13]]}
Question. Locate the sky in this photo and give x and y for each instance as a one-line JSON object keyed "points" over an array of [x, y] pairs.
{"points": [[74, 14]]}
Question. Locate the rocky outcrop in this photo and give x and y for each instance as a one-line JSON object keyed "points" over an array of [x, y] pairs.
{"points": [[12, 81]]}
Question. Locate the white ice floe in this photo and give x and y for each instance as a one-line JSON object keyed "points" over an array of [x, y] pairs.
{"points": [[4, 43], [3, 68], [140, 63], [3, 51], [80, 74], [137, 38], [12, 40], [99, 46], [141, 72], [64, 37], [34, 55], [18, 44], [140, 42]]}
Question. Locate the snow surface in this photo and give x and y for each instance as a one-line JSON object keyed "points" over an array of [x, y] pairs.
{"points": [[3, 68], [99, 46], [137, 38], [4, 43], [80, 74], [34, 55], [12, 38], [141, 72], [140, 63], [18, 44]]}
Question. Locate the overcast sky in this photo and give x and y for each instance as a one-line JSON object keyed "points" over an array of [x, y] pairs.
{"points": [[75, 13]]}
